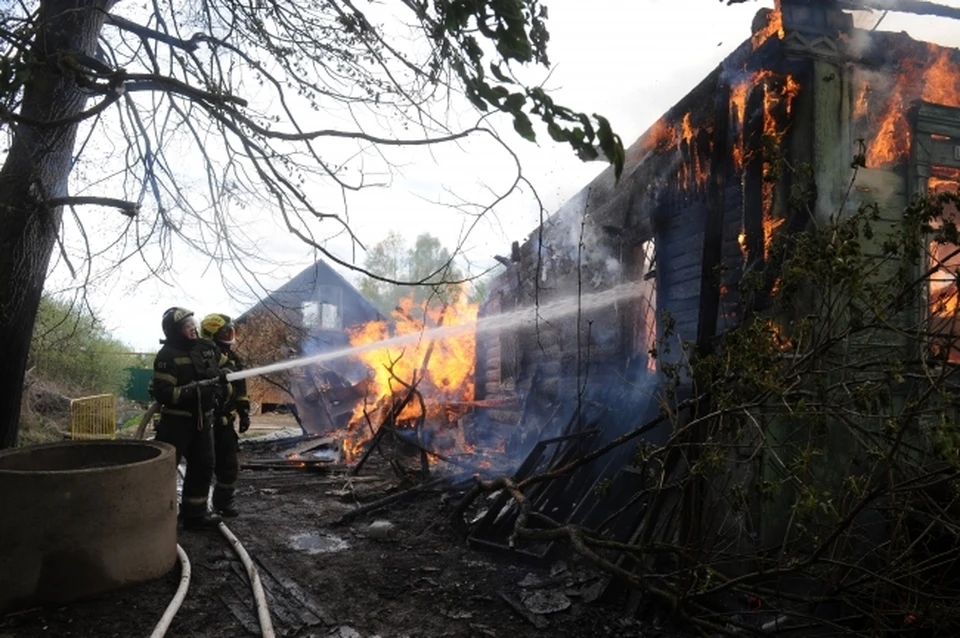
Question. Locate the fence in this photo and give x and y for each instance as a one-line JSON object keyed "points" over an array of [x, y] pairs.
{"points": [[93, 417]]}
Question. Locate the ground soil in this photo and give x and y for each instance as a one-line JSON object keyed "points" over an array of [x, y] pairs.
{"points": [[322, 579]]}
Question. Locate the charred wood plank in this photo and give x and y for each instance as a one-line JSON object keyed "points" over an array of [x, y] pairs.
{"points": [[240, 610], [393, 498], [313, 612], [282, 614]]}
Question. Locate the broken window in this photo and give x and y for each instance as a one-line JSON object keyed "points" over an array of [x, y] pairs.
{"points": [[310, 314], [641, 324], [330, 304], [323, 313], [945, 266]]}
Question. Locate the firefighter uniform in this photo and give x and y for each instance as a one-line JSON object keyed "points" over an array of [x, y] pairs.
{"points": [[235, 407], [187, 409]]}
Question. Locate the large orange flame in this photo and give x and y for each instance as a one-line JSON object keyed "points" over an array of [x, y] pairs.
{"points": [[935, 78], [941, 80], [892, 142], [443, 367]]}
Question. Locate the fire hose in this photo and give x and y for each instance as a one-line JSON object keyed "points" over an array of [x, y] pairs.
{"points": [[263, 611], [178, 597], [259, 596]]}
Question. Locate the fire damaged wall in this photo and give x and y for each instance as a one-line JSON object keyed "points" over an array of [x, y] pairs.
{"points": [[696, 203], [806, 120]]}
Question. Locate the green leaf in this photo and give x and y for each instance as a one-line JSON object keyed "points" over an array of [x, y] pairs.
{"points": [[558, 134], [523, 126], [514, 102], [497, 73]]}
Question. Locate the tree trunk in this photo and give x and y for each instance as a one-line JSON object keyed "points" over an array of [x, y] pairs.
{"points": [[37, 168]]}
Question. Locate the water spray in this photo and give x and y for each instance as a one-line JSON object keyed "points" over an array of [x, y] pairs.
{"points": [[545, 312]]}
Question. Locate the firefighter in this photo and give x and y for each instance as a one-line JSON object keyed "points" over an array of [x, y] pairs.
{"points": [[234, 409], [186, 413]]}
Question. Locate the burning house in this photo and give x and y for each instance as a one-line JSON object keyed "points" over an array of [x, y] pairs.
{"points": [[700, 201], [572, 382]]}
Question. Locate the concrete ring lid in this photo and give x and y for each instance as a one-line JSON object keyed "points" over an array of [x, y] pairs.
{"points": [[82, 456]]}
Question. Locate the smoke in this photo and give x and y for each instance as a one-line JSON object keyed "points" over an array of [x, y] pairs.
{"points": [[859, 42], [574, 238]]}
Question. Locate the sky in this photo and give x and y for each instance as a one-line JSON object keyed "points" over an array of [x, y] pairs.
{"points": [[629, 60]]}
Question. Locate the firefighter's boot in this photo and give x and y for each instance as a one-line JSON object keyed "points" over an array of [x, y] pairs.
{"points": [[202, 522], [223, 503]]}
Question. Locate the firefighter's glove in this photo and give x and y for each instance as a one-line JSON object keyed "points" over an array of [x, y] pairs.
{"points": [[244, 423], [223, 375]]}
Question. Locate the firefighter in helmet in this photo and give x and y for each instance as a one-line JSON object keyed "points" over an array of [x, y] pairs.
{"points": [[234, 409], [186, 414]]}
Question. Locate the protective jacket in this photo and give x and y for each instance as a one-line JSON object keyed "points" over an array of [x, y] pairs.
{"points": [[187, 413], [236, 402], [178, 364]]}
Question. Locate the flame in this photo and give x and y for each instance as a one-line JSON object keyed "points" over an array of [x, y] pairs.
{"points": [[943, 292], [771, 100], [778, 91], [444, 367], [935, 79], [862, 103], [791, 89], [941, 80], [777, 337], [740, 92], [892, 142], [661, 137], [738, 112], [688, 136], [687, 130], [774, 26]]}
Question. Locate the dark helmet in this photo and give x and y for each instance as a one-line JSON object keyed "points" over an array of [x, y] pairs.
{"points": [[173, 320], [218, 327]]}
